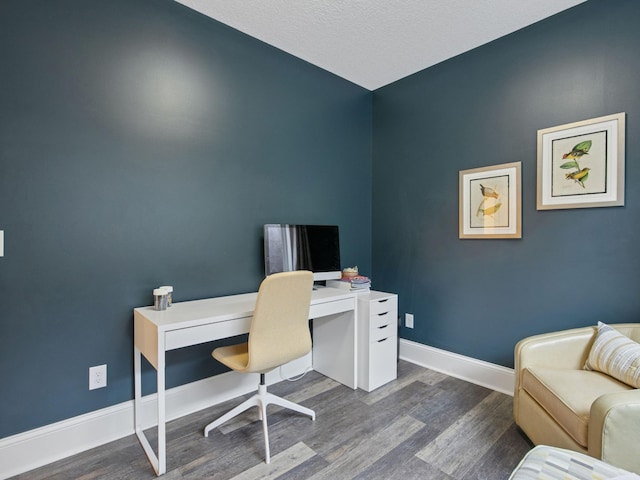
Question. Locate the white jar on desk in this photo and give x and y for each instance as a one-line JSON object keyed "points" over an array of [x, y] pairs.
{"points": [[160, 299]]}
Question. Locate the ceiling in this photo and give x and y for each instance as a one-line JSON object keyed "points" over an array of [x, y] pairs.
{"points": [[375, 42]]}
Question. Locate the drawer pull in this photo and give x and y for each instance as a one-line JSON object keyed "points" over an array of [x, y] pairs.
{"points": [[383, 326], [383, 340], [383, 300], [383, 313]]}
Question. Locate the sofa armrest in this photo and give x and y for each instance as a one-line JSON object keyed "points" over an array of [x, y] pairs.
{"points": [[614, 429]]}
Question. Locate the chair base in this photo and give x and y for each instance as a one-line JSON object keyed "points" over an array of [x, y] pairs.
{"points": [[260, 400]]}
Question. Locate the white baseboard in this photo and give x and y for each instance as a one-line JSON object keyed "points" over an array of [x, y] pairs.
{"points": [[489, 375], [41, 446]]}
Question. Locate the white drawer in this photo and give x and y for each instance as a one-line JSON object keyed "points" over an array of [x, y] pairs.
{"points": [[389, 304], [381, 319], [383, 366], [382, 332], [331, 308], [205, 333]]}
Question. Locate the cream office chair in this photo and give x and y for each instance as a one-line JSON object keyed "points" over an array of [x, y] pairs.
{"points": [[279, 333]]}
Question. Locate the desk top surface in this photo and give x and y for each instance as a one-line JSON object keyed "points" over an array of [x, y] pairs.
{"points": [[182, 314]]}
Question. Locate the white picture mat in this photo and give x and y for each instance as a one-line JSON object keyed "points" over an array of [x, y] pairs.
{"points": [[604, 186], [611, 129], [469, 178]]}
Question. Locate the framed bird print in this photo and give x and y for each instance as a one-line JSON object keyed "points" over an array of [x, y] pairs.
{"points": [[490, 202], [581, 164]]}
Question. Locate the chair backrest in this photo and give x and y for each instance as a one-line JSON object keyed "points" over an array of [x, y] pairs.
{"points": [[279, 329]]}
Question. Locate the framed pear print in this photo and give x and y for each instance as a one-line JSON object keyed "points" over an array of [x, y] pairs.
{"points": [[490, 202], [581, 164]]}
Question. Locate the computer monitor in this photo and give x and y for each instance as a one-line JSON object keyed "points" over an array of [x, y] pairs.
{"points": [[302, 247]]}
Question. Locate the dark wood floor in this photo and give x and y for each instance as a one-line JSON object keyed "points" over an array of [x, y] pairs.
{"points": [[425, 425]]}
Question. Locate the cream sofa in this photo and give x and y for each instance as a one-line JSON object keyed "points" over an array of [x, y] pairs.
{"points": [[557, 402]]}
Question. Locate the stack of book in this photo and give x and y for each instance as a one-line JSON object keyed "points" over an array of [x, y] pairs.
{"points": [[359, 283]]}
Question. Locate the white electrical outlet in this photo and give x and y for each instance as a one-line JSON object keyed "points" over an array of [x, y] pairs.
{"points": [[97, 377], [408, 320]]}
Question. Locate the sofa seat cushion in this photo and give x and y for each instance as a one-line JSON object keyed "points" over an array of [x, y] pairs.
{"points": [[567, 395]]}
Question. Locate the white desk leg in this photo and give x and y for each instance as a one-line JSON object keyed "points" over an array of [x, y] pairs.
{"points": [[157, 462], [162, 431], [137, 396], [335, 346]]}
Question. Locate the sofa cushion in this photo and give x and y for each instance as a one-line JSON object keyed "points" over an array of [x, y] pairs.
{"points": [[567, 395], [615, 354]]}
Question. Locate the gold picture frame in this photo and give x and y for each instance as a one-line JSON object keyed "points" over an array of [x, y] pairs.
{"points": [[490, 202], [581, 164]]}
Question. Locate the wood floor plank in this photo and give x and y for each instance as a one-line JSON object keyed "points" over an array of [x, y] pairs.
{"points": [[401, 462], [345, 427], [499, 461], [370, 449], [281, 464], [461, 445], [448, 400]]}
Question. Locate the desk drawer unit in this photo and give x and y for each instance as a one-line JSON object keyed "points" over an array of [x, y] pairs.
{"points": [[377, 339]]}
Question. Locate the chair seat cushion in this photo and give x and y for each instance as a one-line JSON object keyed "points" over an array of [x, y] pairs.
{"points": [[236, 357], [567, 395]]}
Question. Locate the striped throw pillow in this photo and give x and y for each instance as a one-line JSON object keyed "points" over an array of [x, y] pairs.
{"points": [[616, 355]]}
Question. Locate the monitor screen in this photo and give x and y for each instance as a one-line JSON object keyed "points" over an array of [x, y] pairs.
{"points": [[302, 247]]}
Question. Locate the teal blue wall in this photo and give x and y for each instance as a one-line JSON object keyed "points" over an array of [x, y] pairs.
{"points": [[571, 267], [144, 144]]}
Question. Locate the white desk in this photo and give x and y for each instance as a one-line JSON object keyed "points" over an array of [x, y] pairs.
{"points": [[189, 323]]}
